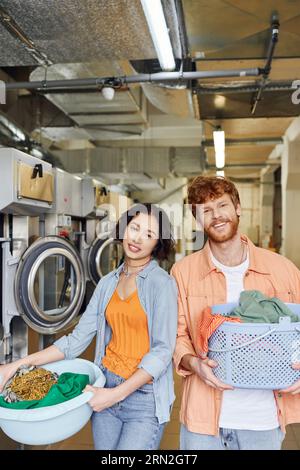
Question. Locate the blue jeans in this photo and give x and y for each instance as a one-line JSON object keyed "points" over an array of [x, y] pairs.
{"points": [[130, 424], [232, 439]]}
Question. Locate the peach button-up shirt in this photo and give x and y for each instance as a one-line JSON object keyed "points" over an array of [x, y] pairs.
{"points": [[201, 284]]}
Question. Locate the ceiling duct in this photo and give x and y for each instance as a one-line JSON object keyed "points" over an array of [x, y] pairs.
{"points": [[95, 117], [129, 165], [188, 161], [170, 101]]}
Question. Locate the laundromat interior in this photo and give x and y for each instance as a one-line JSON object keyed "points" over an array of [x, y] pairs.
{"points": [[99, 112]]}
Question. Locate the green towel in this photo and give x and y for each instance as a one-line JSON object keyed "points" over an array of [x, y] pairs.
{"points": [[68, 386], [255, 307]]}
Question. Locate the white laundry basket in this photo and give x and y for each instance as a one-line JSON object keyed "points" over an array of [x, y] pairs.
{"points": [[51, 424], [256, 355]]}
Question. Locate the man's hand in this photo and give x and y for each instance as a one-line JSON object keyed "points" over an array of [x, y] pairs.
{"points": [[203, 368], [295, 388], [103, 397]]}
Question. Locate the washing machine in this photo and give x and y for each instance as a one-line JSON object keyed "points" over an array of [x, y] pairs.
{"points": [[85, 222], [42, 275], [104, 253]]}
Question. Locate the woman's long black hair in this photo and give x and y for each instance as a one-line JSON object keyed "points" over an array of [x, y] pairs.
{"points": [[165, 243]]}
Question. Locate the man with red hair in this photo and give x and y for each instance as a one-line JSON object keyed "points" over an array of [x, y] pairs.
{"points": [[213, 415]]}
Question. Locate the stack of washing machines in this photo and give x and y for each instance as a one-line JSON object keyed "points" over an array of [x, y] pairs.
{"points": [[51, 248]]}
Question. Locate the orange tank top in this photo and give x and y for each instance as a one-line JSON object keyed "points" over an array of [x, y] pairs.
{"points": [[130, 337]]}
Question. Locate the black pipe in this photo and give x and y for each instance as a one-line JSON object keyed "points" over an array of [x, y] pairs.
{"points": [[182, 28], [267, 67]]}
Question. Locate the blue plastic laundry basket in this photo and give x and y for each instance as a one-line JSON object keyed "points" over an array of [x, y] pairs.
{"points": [[256, 355], [40, 426]]}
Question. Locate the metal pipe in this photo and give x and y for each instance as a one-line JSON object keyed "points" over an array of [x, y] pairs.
{"points": [[139, 78], [14, 29], [182, 28], [271, 86], [267, 68]]}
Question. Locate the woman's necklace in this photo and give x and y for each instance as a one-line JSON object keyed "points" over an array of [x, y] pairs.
{"points": [[127, 273]]}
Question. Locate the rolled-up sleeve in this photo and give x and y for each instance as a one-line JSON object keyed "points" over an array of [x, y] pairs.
{"points": [[164, 326], [184, 343], [75, 343]]}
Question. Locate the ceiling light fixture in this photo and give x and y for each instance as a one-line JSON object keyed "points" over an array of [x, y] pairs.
{"points": [[220, 101], [219, 143], [159, 32], [108, 93]]}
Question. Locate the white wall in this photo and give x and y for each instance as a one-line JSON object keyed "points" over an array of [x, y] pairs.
{"points": [[250, 203]]}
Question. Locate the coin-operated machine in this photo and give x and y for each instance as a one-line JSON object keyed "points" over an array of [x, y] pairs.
{"points": [[34, 265]]}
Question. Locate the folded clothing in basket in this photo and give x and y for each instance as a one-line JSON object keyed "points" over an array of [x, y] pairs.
{"points": [[68, 386], [255, 307], [207, 324]]}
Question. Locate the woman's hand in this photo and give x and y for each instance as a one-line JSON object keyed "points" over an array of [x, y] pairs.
{"points": [[103, 397], [6, 373]]}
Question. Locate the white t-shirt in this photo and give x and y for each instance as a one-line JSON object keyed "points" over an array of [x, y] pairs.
{"points": [[241, 408]]}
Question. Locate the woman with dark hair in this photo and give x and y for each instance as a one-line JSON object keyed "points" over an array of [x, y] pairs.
{"points": [[133, 311]]}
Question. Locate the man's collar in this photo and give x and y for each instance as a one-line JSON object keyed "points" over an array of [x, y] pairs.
{"points": [[255, 262]]}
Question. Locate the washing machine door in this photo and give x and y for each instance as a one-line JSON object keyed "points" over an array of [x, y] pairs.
{"points": [[50, 284], [104, 256]]}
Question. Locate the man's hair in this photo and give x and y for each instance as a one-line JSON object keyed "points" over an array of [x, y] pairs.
{"points": [[204, 188]]}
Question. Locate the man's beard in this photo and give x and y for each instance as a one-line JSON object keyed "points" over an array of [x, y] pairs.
{"points": [[223, 237]]}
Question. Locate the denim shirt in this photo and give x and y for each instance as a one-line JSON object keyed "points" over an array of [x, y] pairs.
{"points": [[157, 293]]}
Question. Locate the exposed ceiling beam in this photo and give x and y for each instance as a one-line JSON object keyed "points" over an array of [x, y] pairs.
{"points": [[248, 141], [227, 89]]}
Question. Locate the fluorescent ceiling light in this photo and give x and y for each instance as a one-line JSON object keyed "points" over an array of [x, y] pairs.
{"points": [[220, 173], [220, 159], [219, 143], [159, 32]]}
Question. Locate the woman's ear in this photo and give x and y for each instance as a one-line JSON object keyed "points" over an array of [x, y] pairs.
{"points": [[238, 210]]}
